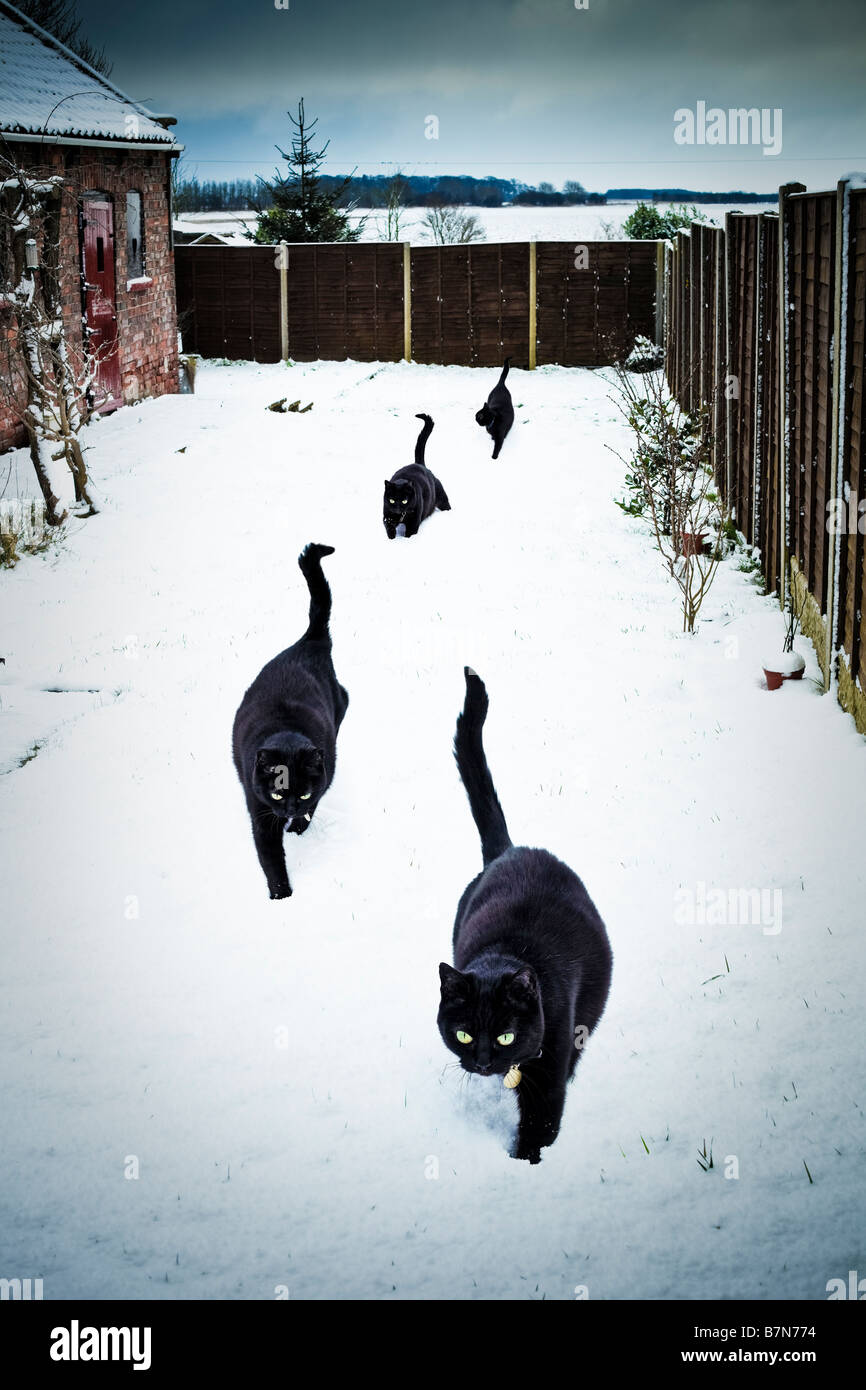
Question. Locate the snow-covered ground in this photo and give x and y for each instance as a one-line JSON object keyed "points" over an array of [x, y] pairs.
{"points": [[498, 224], [207, 1094]]}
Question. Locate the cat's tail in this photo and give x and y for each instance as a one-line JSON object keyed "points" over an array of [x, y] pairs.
{"points": [[504, 373], [310, 562], [421, 441], [474, 772]]}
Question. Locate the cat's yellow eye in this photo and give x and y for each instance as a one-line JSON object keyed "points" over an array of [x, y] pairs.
{"points": [[505, 1039], [391, 500], [463, 1037], [275, 796], [305, 796]]}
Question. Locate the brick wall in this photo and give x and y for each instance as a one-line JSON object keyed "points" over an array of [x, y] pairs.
{"points": [[146, 314]]}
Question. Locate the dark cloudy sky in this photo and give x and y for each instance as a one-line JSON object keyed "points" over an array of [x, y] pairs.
{"points": [[532, 89]]}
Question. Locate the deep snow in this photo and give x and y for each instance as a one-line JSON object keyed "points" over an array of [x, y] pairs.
{"points": [[274, 1067]]}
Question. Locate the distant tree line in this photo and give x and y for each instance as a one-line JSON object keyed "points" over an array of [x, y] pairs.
{"points": [[214, 196], [377, 191], [680, 195], [444, 190], [573, 195], [420, 190]]}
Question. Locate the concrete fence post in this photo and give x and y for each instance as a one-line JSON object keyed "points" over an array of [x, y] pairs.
{"points": [[407, 302], [284, 301]]}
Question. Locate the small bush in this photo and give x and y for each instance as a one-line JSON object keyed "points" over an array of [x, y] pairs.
{"points": [[648, 223], [670, 483], [645, 355]]}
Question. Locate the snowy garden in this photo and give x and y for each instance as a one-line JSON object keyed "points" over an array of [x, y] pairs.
{"points": [[214, 1095]]}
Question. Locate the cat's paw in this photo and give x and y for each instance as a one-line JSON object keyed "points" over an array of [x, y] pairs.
{"points": [[527, 1152], [299, 825], [280, 890]]}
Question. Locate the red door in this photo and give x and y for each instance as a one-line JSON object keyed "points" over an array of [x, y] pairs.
{"points": [[100, 312]]}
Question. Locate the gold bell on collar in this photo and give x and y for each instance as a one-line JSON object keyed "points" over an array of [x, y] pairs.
{"points": [[513, 1077]]}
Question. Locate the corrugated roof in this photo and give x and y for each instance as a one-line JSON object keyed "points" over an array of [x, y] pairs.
{"points": [[44, 88]]}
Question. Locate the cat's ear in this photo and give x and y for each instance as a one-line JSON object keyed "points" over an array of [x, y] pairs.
{"points": [[313, 760], [453, 984], [387, 482], [523, 986], [264, 759]]}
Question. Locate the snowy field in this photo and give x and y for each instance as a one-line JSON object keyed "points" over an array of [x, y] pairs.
{"points": [[207, 1094], [498, 224]]}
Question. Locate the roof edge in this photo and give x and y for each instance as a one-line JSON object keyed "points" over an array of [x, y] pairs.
{"points": [[86, 142]]}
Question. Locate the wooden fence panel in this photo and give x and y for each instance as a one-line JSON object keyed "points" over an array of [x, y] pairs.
{"points": [[743, 289], [228, 301], [811, 236], [707, 322], [499, 303], [739, 342], [303, 296], [852, 572], [344, 300], [470, 303], [693, 385], [683, 317], [719, 403], [590, 313], [768, 367], [671, 290]]}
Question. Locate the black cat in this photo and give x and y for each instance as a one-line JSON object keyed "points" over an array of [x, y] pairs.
{"points": [[414, 492], [497, 416], [284, 739], [532, 957]]}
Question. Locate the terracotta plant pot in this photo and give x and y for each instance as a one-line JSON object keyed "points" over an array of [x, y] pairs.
{"points": [[692, 544], [787, 666]]}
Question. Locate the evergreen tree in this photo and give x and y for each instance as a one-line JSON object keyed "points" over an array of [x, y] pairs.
{"points": [[301, 208]]}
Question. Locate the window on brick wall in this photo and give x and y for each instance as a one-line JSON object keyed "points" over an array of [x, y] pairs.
{"points": [[134, 237]]}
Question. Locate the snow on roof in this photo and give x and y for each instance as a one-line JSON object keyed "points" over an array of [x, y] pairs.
{"points": [[47, 89]]}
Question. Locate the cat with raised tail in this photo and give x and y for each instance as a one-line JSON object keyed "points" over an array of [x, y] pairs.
{"points": [[532, 960], [284, 740], [413, 493], [497, 414]]}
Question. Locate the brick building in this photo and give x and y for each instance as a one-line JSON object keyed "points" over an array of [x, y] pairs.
{"points": [[59, 116]]}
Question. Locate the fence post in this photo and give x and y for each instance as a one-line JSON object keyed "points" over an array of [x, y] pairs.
{"points": [[758, 385], [837, 440], [407, 302], [284, 301], [660, 292], [533, 304], [670, 310], [701, 345], [719, 449], [729, 409], [784, 560]]}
